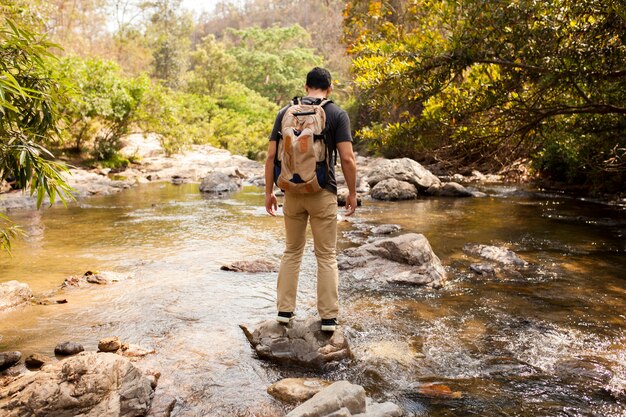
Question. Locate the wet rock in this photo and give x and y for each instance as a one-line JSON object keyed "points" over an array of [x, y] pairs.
{"points": [[386, 229], [95, 277], [110, 344], [135, 351], [68, 348], [256, 265], [438, 391], [494, 253], [405, 259], [449, 189], [179, 179], [222, 180], [301, 342], [89, 384], [36, 361], [391, 190], [342, 196], [387, 409], [297, 390], [483, 269], [8, 359], [14, 294], [403, 169]]}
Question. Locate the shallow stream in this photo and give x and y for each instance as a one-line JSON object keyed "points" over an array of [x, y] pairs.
{"points": [[547, 341]]}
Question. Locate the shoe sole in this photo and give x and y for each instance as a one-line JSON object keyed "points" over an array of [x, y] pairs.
{"points": [[283, 319], [329, 328]]}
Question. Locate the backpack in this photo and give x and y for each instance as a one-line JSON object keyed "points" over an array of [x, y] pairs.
{"points": [[303, 158]]}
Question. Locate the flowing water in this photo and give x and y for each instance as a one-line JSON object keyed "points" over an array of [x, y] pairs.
{"points": [[547, 340]]}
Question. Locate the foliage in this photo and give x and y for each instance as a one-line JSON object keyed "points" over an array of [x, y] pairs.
{"points": [[104, 105], [273, 61], [492, 81], [210, 65]]}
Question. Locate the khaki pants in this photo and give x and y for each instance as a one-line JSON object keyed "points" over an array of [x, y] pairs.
{"points": [[321, 209]]}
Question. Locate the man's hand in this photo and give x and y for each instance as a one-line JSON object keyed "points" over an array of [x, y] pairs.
{"points": [[271, 205], [350, 204]]}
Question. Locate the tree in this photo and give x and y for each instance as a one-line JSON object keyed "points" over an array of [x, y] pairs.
{"points": [[490, 81], [28, 113]]}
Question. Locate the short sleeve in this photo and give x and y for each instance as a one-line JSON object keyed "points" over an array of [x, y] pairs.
{"points": [[274, 136], [342, 132]]}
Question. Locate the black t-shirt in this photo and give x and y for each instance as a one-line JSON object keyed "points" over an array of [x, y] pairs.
{"points": [[337, 130]]}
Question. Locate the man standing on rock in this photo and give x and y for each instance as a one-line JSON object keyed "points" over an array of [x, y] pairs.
{"points": [[307, 203]]}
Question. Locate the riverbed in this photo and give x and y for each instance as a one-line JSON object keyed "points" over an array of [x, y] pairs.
{"points": [[546, 340]]}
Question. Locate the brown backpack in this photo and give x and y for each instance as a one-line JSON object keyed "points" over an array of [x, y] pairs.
{"points": [[303, 156]]}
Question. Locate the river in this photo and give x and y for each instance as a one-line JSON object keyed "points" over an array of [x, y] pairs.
{"points": [[547, 341]]}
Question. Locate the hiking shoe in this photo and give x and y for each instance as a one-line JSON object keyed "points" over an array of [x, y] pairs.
{"points": [[329, 325], [284, 317]]}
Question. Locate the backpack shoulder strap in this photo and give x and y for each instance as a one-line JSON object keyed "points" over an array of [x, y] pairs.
{"points": [[325, 101]]}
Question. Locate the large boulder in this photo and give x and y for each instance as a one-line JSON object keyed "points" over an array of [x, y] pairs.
{"points": [[89, 384], [404, 259], [301, 342], [403, 169], [495, 253], [13, 294], [343, 399], [391, 190], [222, 180]]}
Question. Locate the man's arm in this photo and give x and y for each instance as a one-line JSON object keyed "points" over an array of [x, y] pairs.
{"points": [[271, 205], [348, 166]]}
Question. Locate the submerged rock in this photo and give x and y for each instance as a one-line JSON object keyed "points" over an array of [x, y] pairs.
{"points": [[256, 265], [8, 359], [403, 169], [297, 390], [494, 253], [392, 190], [68, 348], [343, 399], [89, 384], [14, 294], [301, 342], [438, 391], [405, 259]]}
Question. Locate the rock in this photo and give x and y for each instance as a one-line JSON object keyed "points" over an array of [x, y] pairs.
{"points": [[406, 259], [342, 196], [494, 253], [301, 342], [297, 390], [135, 351], [403, 169], [162, 406], [391, 190], [386, 229], [338, 396], [89, 384], [438, 391], [179, 179], [449, 189], [109, 344], [91, 277], [387, 409], [37, 361], [483, 269], [8, 359], [139, 145], [68, 348], [222, 180], [14, 294], [256, 265]]}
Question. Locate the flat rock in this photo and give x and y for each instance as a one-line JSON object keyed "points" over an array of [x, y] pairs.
{"points": [[89, 384], [386, 229], [14, 294], [301, 342], [404, 259], [449, 189], [110, 344], [495, 253], [483, 269], [256, 265], [392, 189], [37, 360], [95, 277], [402, 169], [68, 348], [297, 390], [8, 359]]}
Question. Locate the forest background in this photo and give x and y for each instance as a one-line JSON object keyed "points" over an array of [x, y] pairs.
{"points": [[464, 83]]}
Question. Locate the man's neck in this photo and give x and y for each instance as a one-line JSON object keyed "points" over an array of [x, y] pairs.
{"points": [[316, 93]]}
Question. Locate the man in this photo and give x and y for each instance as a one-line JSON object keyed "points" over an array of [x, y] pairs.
{"points": [[320, 208]]}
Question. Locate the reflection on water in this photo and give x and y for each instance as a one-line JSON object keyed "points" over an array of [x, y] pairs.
{"points": [[547, 341]]}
